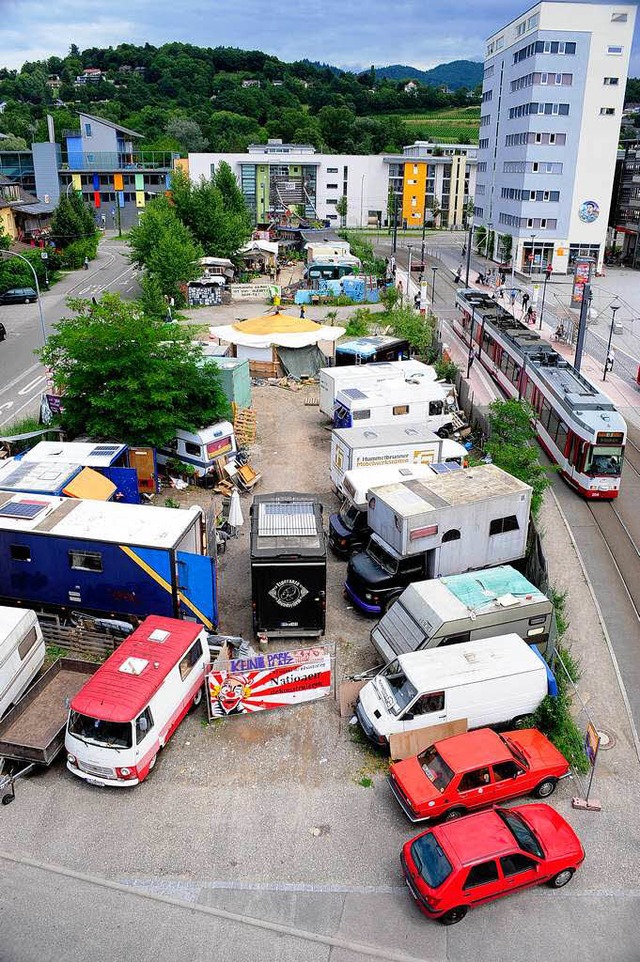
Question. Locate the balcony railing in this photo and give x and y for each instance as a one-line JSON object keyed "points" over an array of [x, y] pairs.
{"points": [[115, 160]]}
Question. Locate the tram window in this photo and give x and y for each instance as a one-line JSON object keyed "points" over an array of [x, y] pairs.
{"points": [[486, 342], [528, 391], [544, 413], [561, 435], [604, 460], [552, 427]]}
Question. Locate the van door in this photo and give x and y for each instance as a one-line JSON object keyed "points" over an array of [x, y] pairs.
{"points": [[197, 588], [452, 560], [427, 709], [126, 481]]}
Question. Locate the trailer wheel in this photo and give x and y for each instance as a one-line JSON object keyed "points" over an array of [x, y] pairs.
{"points": [[8, 798], [445, 432], [197, 698]]}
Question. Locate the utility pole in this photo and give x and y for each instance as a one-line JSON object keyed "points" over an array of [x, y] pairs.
{"points": [[608, 362], [582, 325], [469, 243], [395, 221], [547, 275]]}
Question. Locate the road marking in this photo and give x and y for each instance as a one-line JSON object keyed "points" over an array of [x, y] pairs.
{"points": [[359, 948], [16, 380], [31, 384], [21, 408], [7, 405]]}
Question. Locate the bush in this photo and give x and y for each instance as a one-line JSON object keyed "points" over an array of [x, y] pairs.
{"points": [[73, 256], [359, 323], [446, 370]]}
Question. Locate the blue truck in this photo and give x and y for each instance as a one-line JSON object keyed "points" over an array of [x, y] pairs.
{"points": [[105, 559]]}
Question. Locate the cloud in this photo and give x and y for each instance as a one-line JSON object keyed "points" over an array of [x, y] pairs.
{"points": [[345, 32]]}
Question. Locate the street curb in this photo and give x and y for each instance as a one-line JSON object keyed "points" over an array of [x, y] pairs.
{"points": [[607, 638]]}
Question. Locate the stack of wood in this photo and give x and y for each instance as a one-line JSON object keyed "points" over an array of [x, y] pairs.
{"points": [[244, 424]]}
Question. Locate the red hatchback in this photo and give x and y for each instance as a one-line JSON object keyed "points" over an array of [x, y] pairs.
{"points": [[484, 856], [459, 774]]}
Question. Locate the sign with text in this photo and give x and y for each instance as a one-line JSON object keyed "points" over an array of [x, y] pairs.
{"points": [[266, 681], [582, 276]]}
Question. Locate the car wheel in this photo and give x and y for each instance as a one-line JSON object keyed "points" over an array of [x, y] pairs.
{"points": [[445, 432], [197, 698], [27, 300], [545, 788], [561, 878], [152, 763], [453, 813], [453, 915]]}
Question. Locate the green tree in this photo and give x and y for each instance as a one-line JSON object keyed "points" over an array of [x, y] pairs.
{"points": [[512, 446], [5, 240], [341, 209], [413, 327], [214, 210], [187, 133], [165, 248], [72, 220], [129, 377], [11, 142]]}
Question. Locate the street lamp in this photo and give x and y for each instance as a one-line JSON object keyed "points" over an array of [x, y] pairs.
{"points": [[410, 249], [424, 228], [35, 278], [433, 286], [533, 253], [362, 201], [547, 275], [489, 226], [608, 361]]}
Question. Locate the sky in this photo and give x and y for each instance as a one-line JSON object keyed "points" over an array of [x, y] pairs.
{"points": [[349, 33]]}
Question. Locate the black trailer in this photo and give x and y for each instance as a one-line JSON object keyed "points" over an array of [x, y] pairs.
{"points": [[288, 565]]}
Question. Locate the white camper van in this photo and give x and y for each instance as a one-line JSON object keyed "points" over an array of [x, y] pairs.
{"points": [[334, 379], [398, 402], [202, 448], [459, 608], [486, 682], [22, 651]]}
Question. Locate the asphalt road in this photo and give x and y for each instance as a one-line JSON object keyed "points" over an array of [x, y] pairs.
{"points": [[22, 377]]}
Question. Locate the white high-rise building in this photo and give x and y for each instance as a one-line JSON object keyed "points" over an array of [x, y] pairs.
{"points": [[552, 99]]}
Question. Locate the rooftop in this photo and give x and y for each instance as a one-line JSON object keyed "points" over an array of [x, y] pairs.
{"points": [[418, 497]]}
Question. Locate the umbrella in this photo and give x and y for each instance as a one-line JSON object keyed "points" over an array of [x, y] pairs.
{"points": [[235, 519]]}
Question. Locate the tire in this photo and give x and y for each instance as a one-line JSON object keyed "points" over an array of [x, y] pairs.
{"points": [[545, 788], [152, 763], [27, 300], [197, 698], [445, 433], [390, 603], [453, 814], [453, 916], [561, 879]]}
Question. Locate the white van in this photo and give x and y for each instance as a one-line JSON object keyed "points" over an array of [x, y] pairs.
{"points": [[22, 652], [131, 706], [202, 448], [334, 379], [430, 403], [459, 608], [486, 682]]}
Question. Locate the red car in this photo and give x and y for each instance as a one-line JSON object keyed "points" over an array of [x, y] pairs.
{"points": [[465, 772], [484, 856]]}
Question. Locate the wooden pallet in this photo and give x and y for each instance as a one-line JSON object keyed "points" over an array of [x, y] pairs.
{"points": [[244, 424]]}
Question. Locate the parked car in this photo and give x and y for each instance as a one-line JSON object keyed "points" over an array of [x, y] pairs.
{"points": [[476, 769], [484, 856], [18, 295]]}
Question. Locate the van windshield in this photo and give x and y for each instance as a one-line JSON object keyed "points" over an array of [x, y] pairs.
{"points": [[382, 557], [100, 732], [349, 515], [398, 686]]}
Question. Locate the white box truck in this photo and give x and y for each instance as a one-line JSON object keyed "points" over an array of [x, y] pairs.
{"points": [[431, 527], [460, 608], [388, 446], [433, 404], [22, 652], [334, 379], [491, 681]]}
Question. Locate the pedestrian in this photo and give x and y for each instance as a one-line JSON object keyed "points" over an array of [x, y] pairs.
{"points": [[302, 310], [3, 332], [525, 301], [464, 250], [458, 273], [86, 263], [416, 302], [531, 316], [512, 297], [480, 279]]}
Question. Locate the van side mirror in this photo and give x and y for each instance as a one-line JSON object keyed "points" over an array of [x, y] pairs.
{"points": [[408, 716]]}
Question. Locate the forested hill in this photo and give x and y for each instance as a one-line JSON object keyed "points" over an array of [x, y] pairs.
{"points": [[184, 97], [458, 73]]}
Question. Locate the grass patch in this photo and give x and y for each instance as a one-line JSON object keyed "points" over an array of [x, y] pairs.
{"points": [[53, 652], [365, 781]]}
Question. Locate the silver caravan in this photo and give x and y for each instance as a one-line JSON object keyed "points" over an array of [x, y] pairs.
{"points": [[459, 608], [22, 653]]}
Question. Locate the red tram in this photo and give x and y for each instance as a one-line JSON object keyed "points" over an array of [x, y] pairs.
{"points": [[578, 427]]}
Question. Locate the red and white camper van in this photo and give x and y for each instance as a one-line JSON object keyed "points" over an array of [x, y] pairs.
{"points": [[131, 706]]}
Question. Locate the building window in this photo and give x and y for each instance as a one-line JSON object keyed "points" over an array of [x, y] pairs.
{"points": [[618, 18], [85, 560], [87, 130], [332, 200], [20, 552], [615, 51], [332, 170], [607, 111], [332, 186], [611, 81], [401, 409], [502, 525]]}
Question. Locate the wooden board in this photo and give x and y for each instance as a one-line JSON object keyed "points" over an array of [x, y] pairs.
{"points": [[410, 743], [347, 695]]}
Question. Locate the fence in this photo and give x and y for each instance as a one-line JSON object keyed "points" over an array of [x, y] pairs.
{"points": [[82, 642]]}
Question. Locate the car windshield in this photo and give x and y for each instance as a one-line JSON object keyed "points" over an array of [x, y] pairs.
{"points": [[431, 862], [515, 750], [435, 768], [382, 557], [522, 833], [349, 515], [106, 733], [399, 687]]}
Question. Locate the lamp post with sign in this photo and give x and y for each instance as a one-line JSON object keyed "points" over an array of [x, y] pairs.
{"points": [[591, 747], [608, 362], [45, 257]]}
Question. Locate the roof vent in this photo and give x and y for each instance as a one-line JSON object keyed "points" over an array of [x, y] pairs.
{"points": [[159, 635], [507, 601], [133, 666]]}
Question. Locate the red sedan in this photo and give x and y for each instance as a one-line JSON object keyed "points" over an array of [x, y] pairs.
{"points": [[459, 774], [484, 856]]}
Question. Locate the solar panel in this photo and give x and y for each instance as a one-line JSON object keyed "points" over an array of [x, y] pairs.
{"points": [[105, 449], [22, 509], [354, 393], [445, 467], [294, 519]]}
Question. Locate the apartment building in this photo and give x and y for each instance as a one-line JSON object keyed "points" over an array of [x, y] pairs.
{"points": [[553, 93], [280, 180], [626, 222]]}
